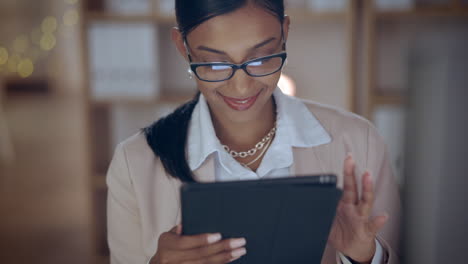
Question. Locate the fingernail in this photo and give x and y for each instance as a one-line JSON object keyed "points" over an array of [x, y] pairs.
{"points": [[233, 259], [235, 243], [214, 238], [238, 252], [349, 155], [368, 177]]}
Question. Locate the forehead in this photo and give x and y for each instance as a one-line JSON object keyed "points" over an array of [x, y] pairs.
{"points": [[237, 31]]}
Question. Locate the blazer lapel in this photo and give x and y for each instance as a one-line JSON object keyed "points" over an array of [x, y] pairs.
{"points": [[306, 162]]}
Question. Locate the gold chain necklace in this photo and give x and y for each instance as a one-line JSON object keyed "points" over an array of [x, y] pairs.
{"points": [[261, 145]]}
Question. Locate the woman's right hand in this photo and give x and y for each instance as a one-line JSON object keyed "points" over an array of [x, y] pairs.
{"points": [[173, 248]]}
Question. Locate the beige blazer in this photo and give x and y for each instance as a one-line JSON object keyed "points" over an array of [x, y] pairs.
{"points": [[143, 201]]}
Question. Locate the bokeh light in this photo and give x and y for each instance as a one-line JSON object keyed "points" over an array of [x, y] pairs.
{"points": [[25, 68], [71, 17], [48, 41], [49, 25], [21, 44], [3, 55], [13, 62]]}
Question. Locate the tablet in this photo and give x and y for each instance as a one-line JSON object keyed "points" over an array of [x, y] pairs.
{"points": [[284, 220]]}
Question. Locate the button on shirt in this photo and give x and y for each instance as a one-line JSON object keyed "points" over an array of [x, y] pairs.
{"points": [[296, 126]]}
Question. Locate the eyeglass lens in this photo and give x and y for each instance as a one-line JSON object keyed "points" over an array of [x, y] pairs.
{"points": [[259, 67]]}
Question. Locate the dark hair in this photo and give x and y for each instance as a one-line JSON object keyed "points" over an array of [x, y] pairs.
{"points": [[167, 137]]}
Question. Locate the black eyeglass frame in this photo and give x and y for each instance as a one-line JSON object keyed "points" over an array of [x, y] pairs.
{"points": [[194, 65], [283, 55]]}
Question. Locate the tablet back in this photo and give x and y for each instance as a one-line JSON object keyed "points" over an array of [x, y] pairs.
{"points": [[284, 220]]}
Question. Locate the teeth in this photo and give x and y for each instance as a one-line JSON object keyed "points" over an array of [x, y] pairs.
{"points": [[243, 102]]}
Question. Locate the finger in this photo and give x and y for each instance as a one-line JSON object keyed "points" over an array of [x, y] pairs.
{"points": [[349, 187], [178, 242], [367, 199], [220, 258], [221, 246], [377, 223]]}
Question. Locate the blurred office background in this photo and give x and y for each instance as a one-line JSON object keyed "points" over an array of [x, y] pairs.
{"points": [[77, 77]]}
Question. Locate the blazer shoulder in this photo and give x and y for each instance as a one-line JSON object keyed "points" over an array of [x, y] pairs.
{"points": [[337, 121], [136, 144], [139, 157]]}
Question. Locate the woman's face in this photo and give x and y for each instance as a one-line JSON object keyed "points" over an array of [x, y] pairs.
{"points": [[247, 33]]}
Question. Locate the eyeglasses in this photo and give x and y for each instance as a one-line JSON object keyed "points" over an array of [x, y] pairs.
{"points": [[221, 71]]}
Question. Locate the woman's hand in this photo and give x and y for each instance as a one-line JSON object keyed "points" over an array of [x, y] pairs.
{"points": [[353, 232], [173, 248]]}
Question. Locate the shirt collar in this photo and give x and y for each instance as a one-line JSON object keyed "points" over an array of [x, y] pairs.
{"points": [[296, 127], [296, 124]]}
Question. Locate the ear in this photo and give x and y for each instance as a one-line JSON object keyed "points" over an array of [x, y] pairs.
{"points": [[286, 23], [178, 41]]}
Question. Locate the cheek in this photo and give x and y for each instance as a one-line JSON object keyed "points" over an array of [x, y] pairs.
{"points": [[208, 89], [270, 81]]}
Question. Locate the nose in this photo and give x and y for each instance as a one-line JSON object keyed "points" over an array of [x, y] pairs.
{"points": [[240, 84]]}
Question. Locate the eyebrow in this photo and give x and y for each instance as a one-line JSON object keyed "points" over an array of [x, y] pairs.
{"points": [[259, 45]]}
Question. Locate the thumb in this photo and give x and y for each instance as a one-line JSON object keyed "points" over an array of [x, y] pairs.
{"points": [[377, 223]]}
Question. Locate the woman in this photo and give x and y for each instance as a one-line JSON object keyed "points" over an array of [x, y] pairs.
{"points": [[240, 126]]}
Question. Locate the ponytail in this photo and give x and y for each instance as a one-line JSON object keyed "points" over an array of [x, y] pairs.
{"points": [[167, 138]]}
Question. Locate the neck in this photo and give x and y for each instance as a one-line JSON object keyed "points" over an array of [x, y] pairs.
{"points": [[242, 136]]}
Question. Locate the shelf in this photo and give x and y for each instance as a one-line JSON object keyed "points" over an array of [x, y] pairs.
{"points": [[388, 99], [295, 14], [299, 15], [164, 99], [425, 12], [111, 17], [104, 16], [166, 19]]}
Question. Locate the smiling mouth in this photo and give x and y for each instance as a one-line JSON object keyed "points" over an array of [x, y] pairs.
{"points": [[240, 104]]}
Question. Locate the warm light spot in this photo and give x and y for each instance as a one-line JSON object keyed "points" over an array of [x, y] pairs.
{"points": [[71, 17], [48, 42], [25, 68], [287, 85], [36, 35], [13, 62], [49, 25], [3, 55], [21, 44]]}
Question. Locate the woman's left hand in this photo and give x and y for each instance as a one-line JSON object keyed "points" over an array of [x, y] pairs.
{"points": [[353, 232]]}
